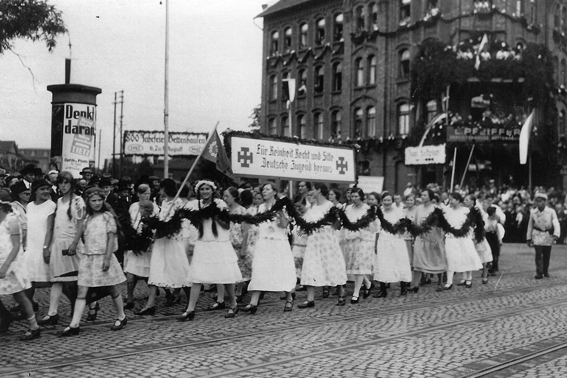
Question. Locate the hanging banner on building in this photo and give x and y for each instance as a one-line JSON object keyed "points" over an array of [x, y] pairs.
{"points": [[275, 159], [483, 134], [146, 143], [425, 155]]}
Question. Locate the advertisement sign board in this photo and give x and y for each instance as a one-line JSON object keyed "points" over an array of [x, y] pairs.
{"points": [[483, 134], [147, 143], [276, 159], [425, 155]]}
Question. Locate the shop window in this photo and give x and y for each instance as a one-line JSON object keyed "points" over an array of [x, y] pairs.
{"points": [[372, 70], [431, 110], [320, 35], [403, 119], [287, 40], [337, 77], [273, 87], [358, 117], [301, 129], [285, 126], [302, 85], [371, 122], [318, 118], [359, 69], [336, 124], [275, 43], [303, 30], [405, 12], [404, 69], [319, 79], [338, 33], [273, 126]]}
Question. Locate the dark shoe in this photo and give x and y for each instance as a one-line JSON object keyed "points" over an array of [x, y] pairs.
{"points": [[403, 289], [169, 298], [288, 306], [342, 300], [186, 316], [49, 320], [546, 275], [354, 300], [69, 331], [129, 306], [119, 324], [35, 306], [92, 317], [251, 309], [381, 294], [216, 306], [239, 298], [146, 311], [468, 284], [300, 288], [31, 334], [414, 289], [440, 288], [5, 323], [306, 304], [538, 276], [462, 283], [326, 292], [367, 290], [283, 297], [388, 284], [484, 280], [231, 312], [448, 287]]}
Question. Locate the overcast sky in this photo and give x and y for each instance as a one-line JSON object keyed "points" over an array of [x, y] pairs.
{"points": [[215, 67]]}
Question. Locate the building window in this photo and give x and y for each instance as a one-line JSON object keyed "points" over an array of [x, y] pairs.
{"points": [[431, 110], [320, 36], [483, 6], [533, 12], [336, 124], [273, 126], [287, 40], [359, 69], [304, 28], [302, 87], [374, 16], [275, 43], [403, 119], [338, 34], [358, 122], [371, 122], [318, 117], [564, 17], [285, 126], [273, 87], [562, 120], [319, 79], [405, 12], [45, 154], [301, 126], [337, 77], [519, 7], [563, 72], [557, 16], [32, 153], [372, 70], [556, 69], [285, 87], [360, 16], [404, 64]]}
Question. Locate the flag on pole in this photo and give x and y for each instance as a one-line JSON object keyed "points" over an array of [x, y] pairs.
{"points": [[429, 126], [525, 137], [289, 90], [481, 47], [215, 153]]}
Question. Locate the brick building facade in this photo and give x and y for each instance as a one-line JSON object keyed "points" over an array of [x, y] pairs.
{"points": [[353, 63]]}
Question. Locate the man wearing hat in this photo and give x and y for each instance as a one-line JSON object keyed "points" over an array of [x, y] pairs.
{"points": [[87, 174], [543, 231], [28, 173]]}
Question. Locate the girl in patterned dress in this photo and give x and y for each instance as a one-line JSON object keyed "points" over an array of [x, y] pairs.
{"points": [[98, 265], [12, 274]]}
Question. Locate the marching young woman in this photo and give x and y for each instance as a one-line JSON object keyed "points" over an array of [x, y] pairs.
{"points": [[359, 246], [273, 267], [98, 265], [13, 279], [392, 261], [409, 211], [461, 253], [214, 260], [137, 265], [169, 265], [429, 256], [64, 266], [323, 262], [249, 237], [483, 248]]}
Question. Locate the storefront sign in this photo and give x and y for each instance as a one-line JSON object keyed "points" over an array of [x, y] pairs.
{"points": [[146, 143], [284, 160], [482, 134], [425, 155]]}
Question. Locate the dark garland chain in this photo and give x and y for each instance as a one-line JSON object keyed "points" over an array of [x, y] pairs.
{"points": [[137, 242]]}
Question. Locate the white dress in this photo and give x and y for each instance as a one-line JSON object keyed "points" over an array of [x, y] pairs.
{"points": [[169, 266], [392, 261], [66, 268], [483, 248], [15, 280], [359, 245], [273, 266], [37, 269], [323, 261], [461, 253], [214, 259], [138, 264]]}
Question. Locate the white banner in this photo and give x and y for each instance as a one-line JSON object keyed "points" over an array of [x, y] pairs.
{"points": [[79, 129], [284, 160], [370, 184], [152, 143], [425, 155]]}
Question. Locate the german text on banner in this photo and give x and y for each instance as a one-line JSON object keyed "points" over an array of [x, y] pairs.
{"points": [[152, 143]]}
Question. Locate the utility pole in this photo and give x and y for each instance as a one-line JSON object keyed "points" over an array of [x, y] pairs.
{"points": [[99, 143], [166, 97], [121, 134], [114, 139]]}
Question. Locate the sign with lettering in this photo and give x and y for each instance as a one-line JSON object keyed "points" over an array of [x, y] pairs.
{"points": [[425, 155], [152, 143], [483, 134], [295, 161], [77, 137]]}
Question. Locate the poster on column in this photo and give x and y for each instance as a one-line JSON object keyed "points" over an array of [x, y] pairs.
{"points": [[275, 159], [79, 130]]}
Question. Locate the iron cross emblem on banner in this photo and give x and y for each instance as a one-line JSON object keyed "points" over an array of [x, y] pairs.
{"points": [[245, 157], [342, 166]]}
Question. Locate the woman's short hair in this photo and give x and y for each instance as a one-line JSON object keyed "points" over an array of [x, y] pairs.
{"points": [[359, 191]]}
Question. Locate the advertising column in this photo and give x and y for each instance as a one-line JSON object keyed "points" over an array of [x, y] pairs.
{"points": [[73, 126]]}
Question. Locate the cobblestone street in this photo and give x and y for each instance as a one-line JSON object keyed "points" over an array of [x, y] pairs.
{"points": [[515, 329]]}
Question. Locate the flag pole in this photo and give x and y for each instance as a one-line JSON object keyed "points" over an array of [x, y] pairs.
{"points": [[467, 167], [166, 97], [453, 173]]}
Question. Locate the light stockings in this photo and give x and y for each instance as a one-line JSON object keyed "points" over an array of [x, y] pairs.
{"points": [[54, 297], [358, 279], [450, 274]]}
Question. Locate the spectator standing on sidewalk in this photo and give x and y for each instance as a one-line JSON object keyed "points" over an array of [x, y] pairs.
{"points": [[543, 231]]}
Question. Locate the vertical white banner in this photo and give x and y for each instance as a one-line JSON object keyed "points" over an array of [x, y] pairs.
{"points": [[79, 131]]}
